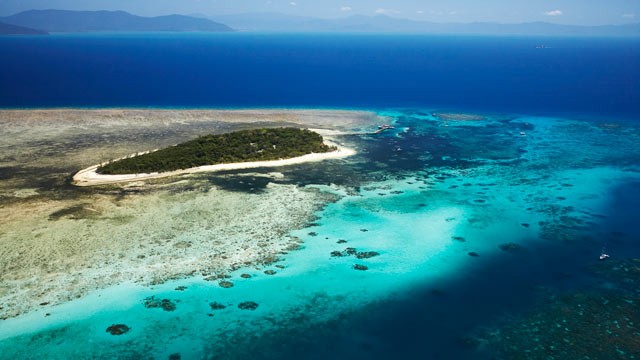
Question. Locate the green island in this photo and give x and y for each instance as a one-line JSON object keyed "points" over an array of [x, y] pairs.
{"points": [[235, 147]]}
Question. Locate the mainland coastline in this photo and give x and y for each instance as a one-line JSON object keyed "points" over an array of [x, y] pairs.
{"points": [[61, 242]]}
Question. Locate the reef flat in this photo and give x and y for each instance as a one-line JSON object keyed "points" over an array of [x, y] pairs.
{"points": [[60, 242]]}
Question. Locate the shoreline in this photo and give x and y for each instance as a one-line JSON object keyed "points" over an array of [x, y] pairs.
{"points": [[89, 176]]}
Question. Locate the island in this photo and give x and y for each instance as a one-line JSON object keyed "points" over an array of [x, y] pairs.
{"points": [[9, 29], [53, 20], [264, 147]]}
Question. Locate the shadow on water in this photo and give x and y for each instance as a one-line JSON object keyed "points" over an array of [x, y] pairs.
{"points": [[621, 226], [441, 320]]}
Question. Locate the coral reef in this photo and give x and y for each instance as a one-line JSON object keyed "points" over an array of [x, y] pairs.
{"points": [[354, 252], [165, 304], [594, 324], [118, 329], [226, 284], [217, 306], [248, 305], [510, 247]]}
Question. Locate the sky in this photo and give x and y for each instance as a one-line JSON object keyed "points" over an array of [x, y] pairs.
{"points": [[576, 12]]}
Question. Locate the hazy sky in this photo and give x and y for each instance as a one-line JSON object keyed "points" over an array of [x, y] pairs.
{"points": [[585, 12]]}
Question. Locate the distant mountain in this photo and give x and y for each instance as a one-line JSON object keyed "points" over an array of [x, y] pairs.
{"points": [[8, 29], [86, 21], [543, 28], [273, 22], [382, 23]]}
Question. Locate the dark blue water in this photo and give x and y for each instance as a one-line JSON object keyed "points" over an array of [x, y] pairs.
{"points": [[599, 76]]}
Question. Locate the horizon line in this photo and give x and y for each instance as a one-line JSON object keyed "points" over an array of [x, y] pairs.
{"points": [[212, 17]]}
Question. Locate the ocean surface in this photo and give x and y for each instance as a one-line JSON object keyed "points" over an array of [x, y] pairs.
{"points": [[472, 230], [598, 76]]}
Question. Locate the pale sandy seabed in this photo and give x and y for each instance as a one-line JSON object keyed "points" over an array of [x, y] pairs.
{"points": [[58, 242]]}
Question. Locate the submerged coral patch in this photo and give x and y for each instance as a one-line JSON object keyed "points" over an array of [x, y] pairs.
{"points": [[366, 254], [248, 305], [217, 306], [118, 329], [354, 252], [165, 304], [510, 247], [225, 284]]}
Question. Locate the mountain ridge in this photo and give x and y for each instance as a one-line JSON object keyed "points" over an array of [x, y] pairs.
{"points": [[94, 21], [10, 29], [382, 23], [53, 20]]}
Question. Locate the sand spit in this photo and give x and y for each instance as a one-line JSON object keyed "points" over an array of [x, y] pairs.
{"points": [[59, 242], [89, 176]]}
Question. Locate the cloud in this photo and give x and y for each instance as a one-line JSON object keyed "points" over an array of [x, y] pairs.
{"points": [[553, 13], [387, 11], [345, 8], [420, 12], [629, 16], [293, 3]]}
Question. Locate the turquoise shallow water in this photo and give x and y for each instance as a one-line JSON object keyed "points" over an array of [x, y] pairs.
{"points": [[468, 219]]}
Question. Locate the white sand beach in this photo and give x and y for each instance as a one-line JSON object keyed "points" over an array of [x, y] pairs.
{"points": [[90, 177]]}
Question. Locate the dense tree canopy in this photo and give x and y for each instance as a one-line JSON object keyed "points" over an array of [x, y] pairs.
{"points": [[239, 146]]}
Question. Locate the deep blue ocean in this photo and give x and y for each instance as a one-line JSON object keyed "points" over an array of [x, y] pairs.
{"points": [[598, 76], [514, 162]]}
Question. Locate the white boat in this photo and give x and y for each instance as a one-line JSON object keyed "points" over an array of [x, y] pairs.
{"points": [[382, 128], [604, 256]]}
